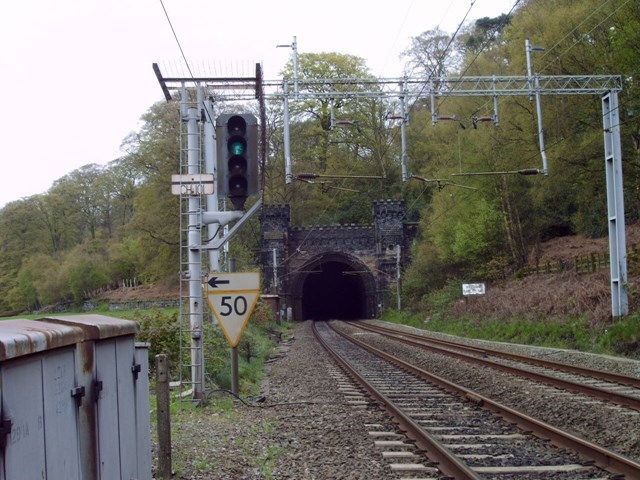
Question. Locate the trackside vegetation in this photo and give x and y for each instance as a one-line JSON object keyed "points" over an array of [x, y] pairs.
{"points": [[619, 337], [161, 329]]}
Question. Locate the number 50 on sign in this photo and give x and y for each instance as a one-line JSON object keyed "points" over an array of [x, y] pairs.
{"points": [[232, 298]]}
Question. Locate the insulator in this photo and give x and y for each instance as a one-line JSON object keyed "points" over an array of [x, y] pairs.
{"points": [[305, 176]]}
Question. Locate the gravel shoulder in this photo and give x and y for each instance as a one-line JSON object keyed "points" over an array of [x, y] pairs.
{"points": [[305, 429]]}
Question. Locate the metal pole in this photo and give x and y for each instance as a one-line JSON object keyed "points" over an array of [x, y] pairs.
{"points": [[434, 109], [543, 152], [398, 271], [275, 270], [403, 132], [235, 376], [195, 256], [287, 146], [615, 205], [527, 48], [294, 45], [210, 153], [536, 85]]}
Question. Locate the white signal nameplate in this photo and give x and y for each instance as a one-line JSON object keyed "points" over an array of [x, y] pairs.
{"points": [[232, 298], [192, 184]]}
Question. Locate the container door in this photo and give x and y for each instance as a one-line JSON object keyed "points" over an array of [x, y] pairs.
{"points": [[60, 415], [127, 407], [22, 401], [5, 437], [143, 418], [116, 409], [108, 442]]}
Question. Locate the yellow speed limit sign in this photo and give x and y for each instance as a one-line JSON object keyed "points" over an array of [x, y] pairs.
{"points": [[232, 298]]}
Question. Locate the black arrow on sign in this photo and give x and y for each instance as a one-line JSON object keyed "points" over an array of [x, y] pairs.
{"points": [[214, 282]]}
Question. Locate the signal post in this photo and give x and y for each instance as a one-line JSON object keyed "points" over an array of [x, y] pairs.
{"points": [[230, 159]]}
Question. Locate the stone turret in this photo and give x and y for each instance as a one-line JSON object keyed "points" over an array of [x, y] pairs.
{"points": [[389, 224]]}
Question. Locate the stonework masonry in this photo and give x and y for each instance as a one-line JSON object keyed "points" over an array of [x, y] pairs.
{"points": [[289, 254]]}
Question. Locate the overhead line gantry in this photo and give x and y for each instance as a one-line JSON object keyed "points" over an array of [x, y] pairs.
{"points": [[408, 90]]}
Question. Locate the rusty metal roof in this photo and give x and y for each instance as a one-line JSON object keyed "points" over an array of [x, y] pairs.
{"points": [[21, 337], [95, 326]]}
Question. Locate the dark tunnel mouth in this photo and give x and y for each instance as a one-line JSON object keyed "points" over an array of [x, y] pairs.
{"points": [[333, 290]]}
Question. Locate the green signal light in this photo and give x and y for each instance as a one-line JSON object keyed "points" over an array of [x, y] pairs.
{"points": [[237, 148]]}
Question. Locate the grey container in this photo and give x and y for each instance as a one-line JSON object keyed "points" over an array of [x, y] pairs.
{"points": [[75, 396]]}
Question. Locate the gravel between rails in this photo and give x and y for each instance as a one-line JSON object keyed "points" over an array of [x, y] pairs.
{"points": [[307, 430]]}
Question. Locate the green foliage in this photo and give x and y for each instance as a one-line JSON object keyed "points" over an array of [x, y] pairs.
{"points": [[216, 355], [161, 330], [577, 333], [572, 333], [125, 259], [24, 295], [84, 272], [476, 235], [623, 337], [256, 344], [437, 302], [403, 317]]}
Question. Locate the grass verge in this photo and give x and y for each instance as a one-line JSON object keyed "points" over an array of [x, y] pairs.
{"points": [[620, 337]]}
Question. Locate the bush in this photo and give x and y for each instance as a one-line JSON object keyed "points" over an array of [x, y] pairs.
{"points": [[161, 329], [438, 301], [623, 337]]}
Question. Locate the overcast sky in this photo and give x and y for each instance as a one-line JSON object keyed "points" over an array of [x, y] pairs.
{"points": [[76, 75]]}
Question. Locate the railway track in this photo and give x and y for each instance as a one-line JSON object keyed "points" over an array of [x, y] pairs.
{"points": [[606, 386], [463, 434]]}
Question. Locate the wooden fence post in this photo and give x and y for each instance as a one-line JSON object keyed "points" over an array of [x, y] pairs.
{"points": [[164, 417]]}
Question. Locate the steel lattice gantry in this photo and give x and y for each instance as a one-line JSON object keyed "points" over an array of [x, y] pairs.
{"points": [[607, 86], [411, 89]]}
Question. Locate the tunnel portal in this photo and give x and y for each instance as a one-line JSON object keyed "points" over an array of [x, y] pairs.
{"points": [[333, 291], [333, 271]]}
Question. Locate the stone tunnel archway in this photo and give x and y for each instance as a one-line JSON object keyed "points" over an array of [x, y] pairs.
{"points": [[333, 271], [334, 286]]}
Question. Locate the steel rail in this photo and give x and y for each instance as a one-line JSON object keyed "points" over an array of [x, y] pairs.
{"points": [[605, 459], [447, 461], [599, 374], [596, 392]]}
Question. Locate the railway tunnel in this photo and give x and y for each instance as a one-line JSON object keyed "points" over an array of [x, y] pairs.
{"points": [[333, 271], [335, 286]]}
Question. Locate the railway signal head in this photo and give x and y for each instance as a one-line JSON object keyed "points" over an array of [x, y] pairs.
{"points": [[237, 163]]}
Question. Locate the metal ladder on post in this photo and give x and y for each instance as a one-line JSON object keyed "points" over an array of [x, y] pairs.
{"points": [[191, 360]]}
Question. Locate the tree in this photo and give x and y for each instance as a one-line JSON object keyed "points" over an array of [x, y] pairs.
{"points": [[85, 272], [431, 55], [25, 295], [485, 33], [335, 135], [155, 153], [88, 193], [122, 178]]}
